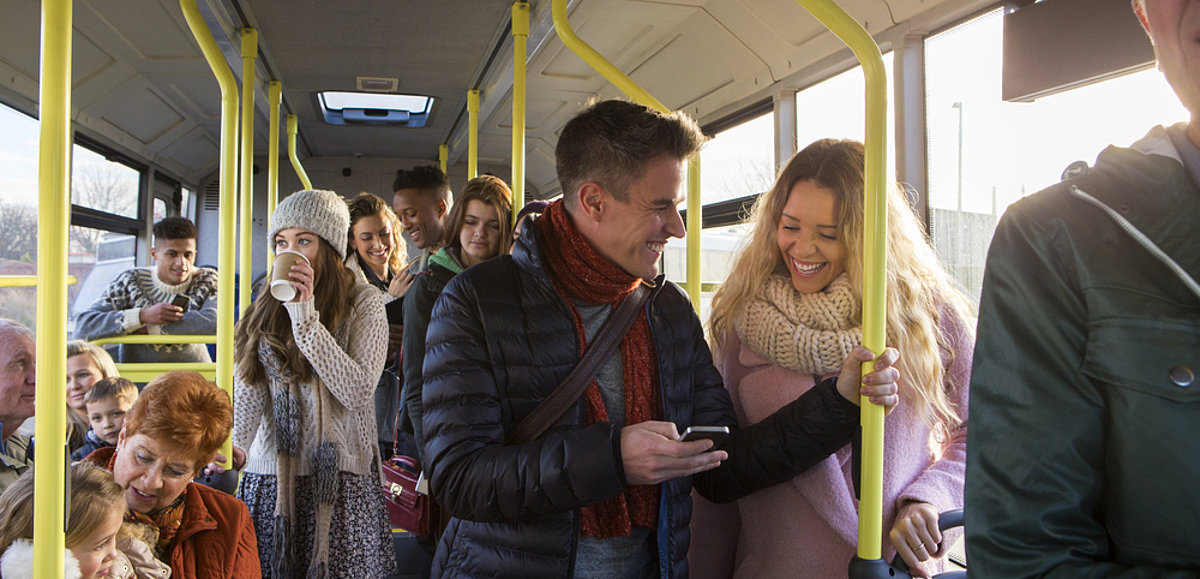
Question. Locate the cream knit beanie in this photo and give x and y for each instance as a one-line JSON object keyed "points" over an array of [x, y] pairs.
{"points": [[322, 212]]}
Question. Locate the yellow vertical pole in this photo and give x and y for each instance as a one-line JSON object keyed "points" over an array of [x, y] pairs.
{"points": [[274, 99], [292, 128], [473, 134], [227, 196], [870, 506], [639, 95], [54, 174], [443, 156], [245, 272], [695, 228], [520, 32]]}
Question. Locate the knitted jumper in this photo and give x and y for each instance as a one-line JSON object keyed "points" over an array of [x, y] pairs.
{"points": [[346, 370], [116, 313]]}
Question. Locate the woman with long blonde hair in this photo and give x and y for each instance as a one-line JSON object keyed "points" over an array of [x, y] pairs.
{"points": [[788, 315]]}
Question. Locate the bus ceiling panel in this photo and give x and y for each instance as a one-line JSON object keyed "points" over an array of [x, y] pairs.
{"points": [[782, 32], [703, 63], [539, 169], [140, 111], [19, 40], [543, 116], [144, 33], [624, 32], [196, 152], [433, 48]]}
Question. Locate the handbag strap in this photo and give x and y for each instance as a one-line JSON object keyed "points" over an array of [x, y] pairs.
{"points": [[572, 387]]}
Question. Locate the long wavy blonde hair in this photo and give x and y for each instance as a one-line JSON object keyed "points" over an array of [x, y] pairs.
{"points": [[917, 286]]}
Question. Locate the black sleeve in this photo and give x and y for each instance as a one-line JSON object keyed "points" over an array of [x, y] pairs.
{"points": [[417, 308], [395, 311], [785, 444]]}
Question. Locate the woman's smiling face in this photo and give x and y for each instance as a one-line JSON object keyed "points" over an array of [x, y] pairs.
{"points": [[808, 236]]}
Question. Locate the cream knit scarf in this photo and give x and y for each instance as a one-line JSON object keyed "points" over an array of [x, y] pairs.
{"points": [[286, 397], [811, 333]]}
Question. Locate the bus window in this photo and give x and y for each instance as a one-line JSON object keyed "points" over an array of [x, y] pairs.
{"points": [[96, 257], [737, 162], [835, 108], [984, 153], [103, 185], [18, 211]]}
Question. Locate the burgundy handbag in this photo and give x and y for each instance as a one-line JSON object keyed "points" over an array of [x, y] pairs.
{"points": [[407, 507]]}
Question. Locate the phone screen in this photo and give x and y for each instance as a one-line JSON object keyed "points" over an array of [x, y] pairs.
{"points": [[181, 301], [718, 434]]}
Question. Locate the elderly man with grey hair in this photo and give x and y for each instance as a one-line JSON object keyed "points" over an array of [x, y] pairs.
{"points": [[16, 398]]}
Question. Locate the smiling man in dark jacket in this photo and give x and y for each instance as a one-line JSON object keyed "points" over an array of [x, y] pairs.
{"points": [[606, 490], [1083, 453]]}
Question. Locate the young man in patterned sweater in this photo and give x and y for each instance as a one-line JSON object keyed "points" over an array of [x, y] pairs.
{"points": [[139, 300]]}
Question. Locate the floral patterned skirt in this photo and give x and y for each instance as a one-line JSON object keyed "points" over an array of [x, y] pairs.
{"points": [[360, 535]]}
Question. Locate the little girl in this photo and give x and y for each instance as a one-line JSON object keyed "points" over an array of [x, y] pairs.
{"points": [[99, 544]]}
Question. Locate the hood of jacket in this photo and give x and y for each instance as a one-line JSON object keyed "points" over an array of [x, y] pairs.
{"points": [[17, 562]]}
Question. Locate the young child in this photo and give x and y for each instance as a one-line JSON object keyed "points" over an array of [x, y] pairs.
{"points": [[94, 528], [107, 402]]}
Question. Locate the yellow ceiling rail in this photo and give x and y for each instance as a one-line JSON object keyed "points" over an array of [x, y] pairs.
{"points": [[146, 371], [274, 99], [598, 62], [54, 169], [639, 95], [27, 280], [473, 133], [520, 33], [443, 156], [245, 271], [293, 126], [156, 339], [870, 506], [226, 197]]}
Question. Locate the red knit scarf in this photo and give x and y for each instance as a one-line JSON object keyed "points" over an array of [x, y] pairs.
{"points": [[579, 272]]}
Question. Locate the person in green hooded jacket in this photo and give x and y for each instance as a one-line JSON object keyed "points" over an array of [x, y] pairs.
{"points": [[479, 228]]}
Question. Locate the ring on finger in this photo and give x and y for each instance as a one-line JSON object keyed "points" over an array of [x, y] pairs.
{"points": [[920, 547]]}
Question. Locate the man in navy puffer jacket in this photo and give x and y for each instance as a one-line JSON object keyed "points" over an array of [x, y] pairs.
{"points": [[606, 490]]}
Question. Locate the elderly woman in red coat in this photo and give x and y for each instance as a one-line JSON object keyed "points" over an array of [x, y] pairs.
{"points": [[170, 434]]}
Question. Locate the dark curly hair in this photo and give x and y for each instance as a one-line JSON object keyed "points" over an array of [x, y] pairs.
{"points": [[175, 228]]}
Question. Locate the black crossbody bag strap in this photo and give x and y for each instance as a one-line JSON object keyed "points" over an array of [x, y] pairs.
{"points": [[572, 387]]}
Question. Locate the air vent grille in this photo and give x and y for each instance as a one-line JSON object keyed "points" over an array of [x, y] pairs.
{"points": [[212, 196], [377, 84]]}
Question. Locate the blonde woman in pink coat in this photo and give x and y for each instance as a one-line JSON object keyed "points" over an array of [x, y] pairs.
{"points": [[788, 315]]}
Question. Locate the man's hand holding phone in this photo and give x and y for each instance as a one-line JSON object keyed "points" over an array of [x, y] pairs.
{"points": [[166, 312], [653, 452]]}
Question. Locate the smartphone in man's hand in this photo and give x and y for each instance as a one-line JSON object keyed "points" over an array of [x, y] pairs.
{"points": [[718, 434], [181, 301]]}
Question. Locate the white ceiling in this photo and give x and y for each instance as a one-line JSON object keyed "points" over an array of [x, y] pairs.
{"points": [[141, 85]]}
